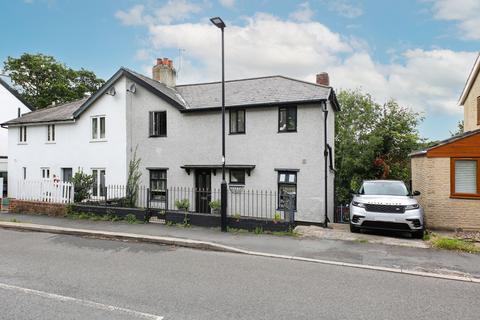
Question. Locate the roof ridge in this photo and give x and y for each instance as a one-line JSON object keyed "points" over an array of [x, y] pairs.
{"points": [[307, 82], [234, 80]]}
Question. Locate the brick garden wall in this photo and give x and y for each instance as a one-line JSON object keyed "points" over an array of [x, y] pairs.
{"points": [[40, 208], [431, 176]]}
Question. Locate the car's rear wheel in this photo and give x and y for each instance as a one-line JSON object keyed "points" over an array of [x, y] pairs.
{"points": [[354, 229], [418, 234]]}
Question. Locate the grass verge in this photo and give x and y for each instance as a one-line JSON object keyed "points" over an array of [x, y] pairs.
{"points": [[453, 244]]}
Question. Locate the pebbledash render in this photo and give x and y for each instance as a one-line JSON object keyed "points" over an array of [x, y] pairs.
{"points": [[274, 135]]}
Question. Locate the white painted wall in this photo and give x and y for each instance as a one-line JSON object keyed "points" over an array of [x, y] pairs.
{"points": [[195, 138], [9, 105], [73, 147]]}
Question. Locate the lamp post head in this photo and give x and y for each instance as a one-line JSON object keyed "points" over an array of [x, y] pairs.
{"points": [[218, 22]]}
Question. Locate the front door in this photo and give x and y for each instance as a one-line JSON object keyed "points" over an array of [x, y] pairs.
{"points": [[67, 174], [203, 182]]}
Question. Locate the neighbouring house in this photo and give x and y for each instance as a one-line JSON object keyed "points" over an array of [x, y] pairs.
{"points": [[274, 136], [11, 105], [448, 174]]}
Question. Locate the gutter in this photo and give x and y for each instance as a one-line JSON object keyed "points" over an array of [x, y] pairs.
{"points": [[6, 125]]}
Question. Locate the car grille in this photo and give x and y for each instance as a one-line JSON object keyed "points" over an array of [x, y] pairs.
{"points": [[385, 225], [384, 208]]}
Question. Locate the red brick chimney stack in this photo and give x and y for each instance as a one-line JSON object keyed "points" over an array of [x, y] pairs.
{"points": [[323, 79]]}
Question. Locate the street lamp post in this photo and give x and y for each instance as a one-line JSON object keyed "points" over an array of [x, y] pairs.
{"points": [[218, 22]]}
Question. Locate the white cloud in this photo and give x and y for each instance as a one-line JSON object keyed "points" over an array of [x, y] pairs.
{"points": [[344, 8], [304, 13], [143, 54], [227, 3], [171, 11], [425, 80], [464, 12]]}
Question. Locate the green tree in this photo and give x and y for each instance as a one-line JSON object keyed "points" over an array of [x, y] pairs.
{"points": [[460, 129], [372, 141], [82, 185], [43, 80]]}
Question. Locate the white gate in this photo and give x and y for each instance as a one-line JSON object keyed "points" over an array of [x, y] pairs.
{"points": [[46, 190]]}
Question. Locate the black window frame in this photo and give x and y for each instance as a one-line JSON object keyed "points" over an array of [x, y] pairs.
{"points": [[236, 112], [159, 128], [237, 182], [286, 183], [287, 109], [154, 194]]}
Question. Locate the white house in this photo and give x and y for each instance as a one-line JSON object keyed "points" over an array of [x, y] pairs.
{"points": [[11, 105], [275, 136]]}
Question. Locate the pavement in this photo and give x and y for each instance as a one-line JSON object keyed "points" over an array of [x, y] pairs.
{"points": [[51, 276], [393, 258]]}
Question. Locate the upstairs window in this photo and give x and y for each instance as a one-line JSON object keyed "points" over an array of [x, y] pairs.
{"points": [[158, 124], [465, 180], [51, 133], [23, 134], [237, 121], [287, 119], [98, 128]]}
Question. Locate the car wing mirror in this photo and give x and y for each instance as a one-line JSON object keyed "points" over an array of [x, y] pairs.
{"points": [[416, 193]]}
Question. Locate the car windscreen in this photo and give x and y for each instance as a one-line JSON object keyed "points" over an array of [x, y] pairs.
{"points": [[384, 188]]}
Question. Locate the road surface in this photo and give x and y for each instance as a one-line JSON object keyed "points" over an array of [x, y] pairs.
{"points": [[45, 276]]}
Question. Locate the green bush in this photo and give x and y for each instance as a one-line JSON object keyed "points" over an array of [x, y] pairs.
{"points": [[130, 218], [183, 204], [82, 184], [215, 204]]}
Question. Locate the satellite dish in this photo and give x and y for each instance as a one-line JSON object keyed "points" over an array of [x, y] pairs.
{"points": [[111, 91], [132, 88]]}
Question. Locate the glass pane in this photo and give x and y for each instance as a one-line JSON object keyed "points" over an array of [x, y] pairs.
{"points": [[282, 177], [102, 127], [233, 122], [48, 133], [94, 128], [237, 176], [102, 183], [466, 176], [95, 183], [241, 121], [291, 119], [53, 132], [282, 125], [291, 177]]}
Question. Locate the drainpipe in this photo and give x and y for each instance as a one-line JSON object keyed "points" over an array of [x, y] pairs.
{"points": [[325, 155]]}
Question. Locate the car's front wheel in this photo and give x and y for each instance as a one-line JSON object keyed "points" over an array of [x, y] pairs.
{"points": [[418, 234], [354, 229]]}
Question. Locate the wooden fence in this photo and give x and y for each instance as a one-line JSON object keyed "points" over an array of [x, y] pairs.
{"points": [[46, 190]]}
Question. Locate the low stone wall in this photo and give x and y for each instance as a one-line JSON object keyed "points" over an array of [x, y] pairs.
{"points": [[40, 208], [118, 211]]}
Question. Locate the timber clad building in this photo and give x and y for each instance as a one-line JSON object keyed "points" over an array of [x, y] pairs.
{"points": [[448, 174]]}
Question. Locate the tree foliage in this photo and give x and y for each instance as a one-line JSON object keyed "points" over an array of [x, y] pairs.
{"points": [[43, 80], [372, 141]]}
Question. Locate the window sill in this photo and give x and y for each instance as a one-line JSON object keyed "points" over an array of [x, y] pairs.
{"points": [[98, 140], [236, 133], [164, 136], [50, 142], [465, 196], [22, 143], [290, 131], [236, 184]]}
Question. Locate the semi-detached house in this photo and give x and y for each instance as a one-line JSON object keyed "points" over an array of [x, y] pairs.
{"points": [[275, 136]]}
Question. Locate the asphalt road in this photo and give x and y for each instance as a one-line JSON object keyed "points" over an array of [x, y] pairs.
{"points": [[44, 276]]}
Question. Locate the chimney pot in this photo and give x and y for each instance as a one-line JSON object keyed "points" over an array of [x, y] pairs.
{"points": [[164, 72], [159, 61], [323, 79]]}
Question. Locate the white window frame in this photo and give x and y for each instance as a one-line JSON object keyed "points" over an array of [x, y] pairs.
{"points": [[97, 190], [22, 134], [50, 133], [45, 171], [96, 135]]}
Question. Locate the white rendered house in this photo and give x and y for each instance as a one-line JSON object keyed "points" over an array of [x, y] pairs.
{"points": [[11, 105], [275, 136]]}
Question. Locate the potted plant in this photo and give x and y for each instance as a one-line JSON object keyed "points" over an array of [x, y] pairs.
{"points": [[277, 217], [215, 205], [182, 204]]}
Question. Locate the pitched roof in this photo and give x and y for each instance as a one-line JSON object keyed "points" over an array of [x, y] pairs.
{"points": [[263, 91], [253, 91], [444, 142], [469, 83], [16, 94]]}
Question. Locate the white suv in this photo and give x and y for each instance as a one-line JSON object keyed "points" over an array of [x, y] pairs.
{"points": [[386, 205]]}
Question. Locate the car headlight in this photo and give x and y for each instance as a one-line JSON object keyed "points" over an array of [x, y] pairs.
{"points": [[358, 204], [412, 206]]}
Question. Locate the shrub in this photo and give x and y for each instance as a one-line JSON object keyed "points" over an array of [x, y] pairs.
{"points": [[130, 218], [215, 204], [183, 204], [82, 184]]}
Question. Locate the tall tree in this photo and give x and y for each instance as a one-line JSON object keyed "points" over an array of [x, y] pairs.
{"points": [[372, 141], [43, 80]]}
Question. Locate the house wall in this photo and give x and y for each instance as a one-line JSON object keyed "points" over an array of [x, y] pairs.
{"points": [[195, 138], [470, 107], [431, 176], [9, 105], [73, 147]]}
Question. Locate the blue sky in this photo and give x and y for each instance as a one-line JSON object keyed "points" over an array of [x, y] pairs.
{"points": [[417, 52]]}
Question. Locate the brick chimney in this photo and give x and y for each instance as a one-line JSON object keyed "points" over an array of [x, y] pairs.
{"points": [[164, 72], [323, 79]]}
